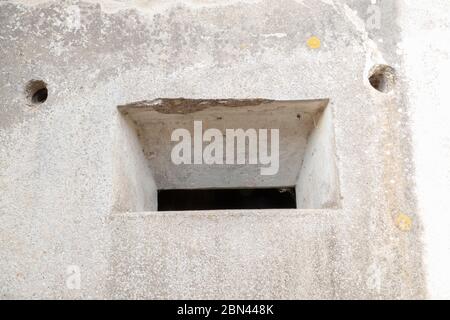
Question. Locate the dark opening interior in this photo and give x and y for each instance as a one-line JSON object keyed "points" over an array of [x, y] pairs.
{"points": [[222, 199], [40, 96]]}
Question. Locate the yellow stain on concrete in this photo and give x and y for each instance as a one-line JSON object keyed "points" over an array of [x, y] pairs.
{"points": [[403, 222], [313, 43]]}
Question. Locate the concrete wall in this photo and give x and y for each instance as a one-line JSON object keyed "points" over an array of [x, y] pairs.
{"points": [[61, 198], [318, 181], [134, 185]]}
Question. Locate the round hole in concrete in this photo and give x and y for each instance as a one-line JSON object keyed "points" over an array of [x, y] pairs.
{"points": [[37, 91], [382, 78]]}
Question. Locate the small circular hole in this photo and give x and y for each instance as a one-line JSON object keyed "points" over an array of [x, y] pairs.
{"points": [[382, 78], [37, 91]]}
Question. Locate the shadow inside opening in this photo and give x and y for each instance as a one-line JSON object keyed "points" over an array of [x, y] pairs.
{"points": [[226, 199]]}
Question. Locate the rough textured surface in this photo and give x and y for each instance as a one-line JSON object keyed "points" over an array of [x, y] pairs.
{"points": [[60, 191], [223, 255]]}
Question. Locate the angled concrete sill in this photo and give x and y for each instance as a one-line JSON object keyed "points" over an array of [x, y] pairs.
{"points": [[207, 214], [146, 178]]}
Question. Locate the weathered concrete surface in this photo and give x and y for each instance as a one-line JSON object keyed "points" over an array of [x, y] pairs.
{"points": [[222, 255], [60, 191]]}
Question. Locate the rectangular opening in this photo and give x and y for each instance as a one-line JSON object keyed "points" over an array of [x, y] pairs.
{"points": [[226, 199], [148, 177]]}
